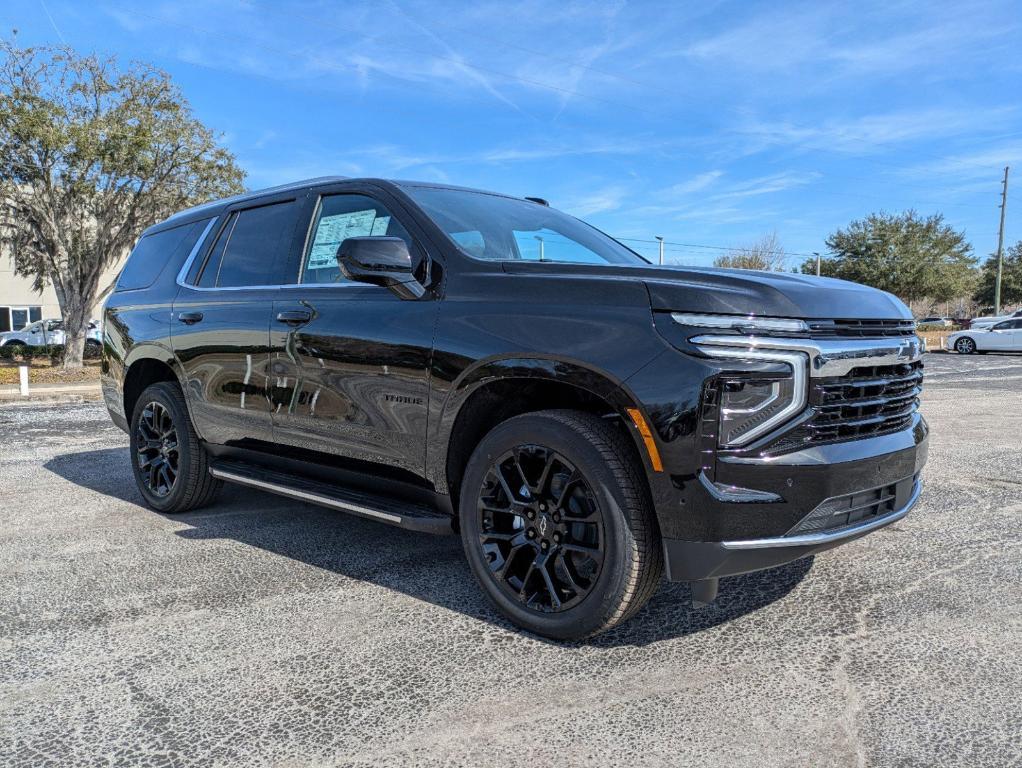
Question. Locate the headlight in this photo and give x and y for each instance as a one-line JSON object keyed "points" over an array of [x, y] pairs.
{"points": [[742, 323], [750, 406], [746, 405]]}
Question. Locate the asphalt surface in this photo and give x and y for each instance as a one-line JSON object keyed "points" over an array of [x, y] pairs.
{"points": [[263, 632]]}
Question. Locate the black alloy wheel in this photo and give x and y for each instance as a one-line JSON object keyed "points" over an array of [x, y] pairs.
{"points": [[156, 451], [169, 462], [558, 524], [541, 529]]}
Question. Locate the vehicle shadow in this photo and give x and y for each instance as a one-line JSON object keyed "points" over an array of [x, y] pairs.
{"points": [[428, 568]]}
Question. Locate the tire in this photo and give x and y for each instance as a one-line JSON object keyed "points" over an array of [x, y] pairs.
{"points": [[170, 467], [582, 514], [965, 346]]}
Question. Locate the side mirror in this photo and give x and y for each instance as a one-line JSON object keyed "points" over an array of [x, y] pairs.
{"points": [[380, 261]]}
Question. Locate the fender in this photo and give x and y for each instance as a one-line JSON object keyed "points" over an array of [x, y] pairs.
{"points": [[524, 368]]}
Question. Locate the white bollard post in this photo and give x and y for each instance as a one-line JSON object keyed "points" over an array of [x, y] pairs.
{"points": [[23, 375]]}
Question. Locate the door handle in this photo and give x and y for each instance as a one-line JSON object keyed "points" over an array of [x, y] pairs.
{"points": [[294, 316], [189, 318]]}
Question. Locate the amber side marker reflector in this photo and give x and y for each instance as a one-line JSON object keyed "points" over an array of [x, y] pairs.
{"points": [[647, 438]]}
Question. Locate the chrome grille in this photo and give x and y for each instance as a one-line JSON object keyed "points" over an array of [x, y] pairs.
{"points": [[869, 401]]}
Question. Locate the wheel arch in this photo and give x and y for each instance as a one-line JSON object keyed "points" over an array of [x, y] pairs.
{"points": [[498, 389], [146, 365]]}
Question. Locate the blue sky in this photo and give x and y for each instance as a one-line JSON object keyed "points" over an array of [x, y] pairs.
{"points": [[710, 123]]}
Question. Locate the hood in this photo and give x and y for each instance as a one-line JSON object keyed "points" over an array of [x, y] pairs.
{"points": [[742, 291]]}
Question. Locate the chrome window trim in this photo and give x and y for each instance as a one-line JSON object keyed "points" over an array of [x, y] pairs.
{"points": [[827, 357], [183, 272], [198, 247]]}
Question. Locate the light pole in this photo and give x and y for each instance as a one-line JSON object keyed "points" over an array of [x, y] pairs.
{"points": [[540, 238], [817, 255], [661, 241]]}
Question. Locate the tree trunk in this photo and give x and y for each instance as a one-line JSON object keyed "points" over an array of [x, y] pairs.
{"points": [[76, 321]]}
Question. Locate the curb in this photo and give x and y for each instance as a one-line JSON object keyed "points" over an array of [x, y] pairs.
{"points": [[45, 393]]}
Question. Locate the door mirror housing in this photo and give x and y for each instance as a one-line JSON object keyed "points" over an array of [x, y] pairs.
{"points": [[382, 261]]}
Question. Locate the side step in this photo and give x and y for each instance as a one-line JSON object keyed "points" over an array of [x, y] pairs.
{"points": [[404, 514]]}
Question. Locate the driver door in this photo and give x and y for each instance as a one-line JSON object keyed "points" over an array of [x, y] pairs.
{"points": [[350, 367]]}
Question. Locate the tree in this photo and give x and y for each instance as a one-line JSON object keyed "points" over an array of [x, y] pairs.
{"points": [[1011, 278], [766, 254], [905, 254], [91, 155]]}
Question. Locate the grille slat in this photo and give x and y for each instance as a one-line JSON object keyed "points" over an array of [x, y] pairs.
{"points": [[861, 328], [869, 401]]}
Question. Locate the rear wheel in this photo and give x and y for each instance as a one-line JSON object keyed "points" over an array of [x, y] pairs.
{"points": [[557, 524], [170, 465], [965, 346]]}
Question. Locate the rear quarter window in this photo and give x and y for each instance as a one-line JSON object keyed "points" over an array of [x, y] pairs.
{"points": [[153, 252]]}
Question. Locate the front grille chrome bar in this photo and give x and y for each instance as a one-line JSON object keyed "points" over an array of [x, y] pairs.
{"points": [[827, 357]]}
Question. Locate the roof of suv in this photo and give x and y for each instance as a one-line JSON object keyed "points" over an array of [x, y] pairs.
{"points": [[214, 207]]}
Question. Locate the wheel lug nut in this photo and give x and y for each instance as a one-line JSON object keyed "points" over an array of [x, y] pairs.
{"points": [[531, 515], [557, 518], [557, 538], [542, 507], [545, 546], [531, 534]]}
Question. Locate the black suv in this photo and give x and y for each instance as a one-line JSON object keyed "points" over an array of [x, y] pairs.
{"points": [[444, 359]]}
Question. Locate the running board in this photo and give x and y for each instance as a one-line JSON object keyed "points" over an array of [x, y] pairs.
{"points": [[403, 514]]}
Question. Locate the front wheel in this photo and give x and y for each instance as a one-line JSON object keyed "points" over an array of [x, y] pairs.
{"points": [[965, 346], [558, 526], [170, 466]]}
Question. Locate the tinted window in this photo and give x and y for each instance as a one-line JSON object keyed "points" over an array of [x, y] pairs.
{"points": [[209, 275], [1003, 326], [500, 228], [339, 217], [252, 249], [153, 252]]}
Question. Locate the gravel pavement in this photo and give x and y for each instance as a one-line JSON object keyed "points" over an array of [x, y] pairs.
{"points": [[266, 632]]}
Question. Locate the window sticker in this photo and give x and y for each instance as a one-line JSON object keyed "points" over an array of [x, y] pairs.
{"points": [[334, 230]]}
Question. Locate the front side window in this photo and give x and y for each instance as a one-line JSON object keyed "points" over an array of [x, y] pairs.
{"points": [[497, 228], [339, 217], [252, 247]]}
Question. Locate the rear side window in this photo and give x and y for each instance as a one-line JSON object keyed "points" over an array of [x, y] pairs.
{"points": [[252, 248], [153, 252]]}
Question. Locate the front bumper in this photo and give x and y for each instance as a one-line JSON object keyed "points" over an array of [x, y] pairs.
{"points": [[699, 560]]}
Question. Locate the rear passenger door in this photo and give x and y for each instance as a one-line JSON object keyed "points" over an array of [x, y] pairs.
{"points": [[221, 320]]}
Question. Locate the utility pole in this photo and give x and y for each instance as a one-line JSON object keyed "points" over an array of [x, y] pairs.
{"points": [[1000, 246], [817, 255], [661, 241], [540, 238]]}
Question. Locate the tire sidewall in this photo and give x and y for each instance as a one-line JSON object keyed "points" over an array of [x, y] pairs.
{"points": [[161, 393], [593, 611]]}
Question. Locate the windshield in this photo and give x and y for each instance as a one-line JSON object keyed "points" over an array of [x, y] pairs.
{"points": [[498, 228]]}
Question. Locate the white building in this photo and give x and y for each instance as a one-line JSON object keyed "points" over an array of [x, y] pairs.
{"points": [[20, 305]]}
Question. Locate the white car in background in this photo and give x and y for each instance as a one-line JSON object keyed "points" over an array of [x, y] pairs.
{"points": [[1005, 336], [988, 322], [49, 333]]}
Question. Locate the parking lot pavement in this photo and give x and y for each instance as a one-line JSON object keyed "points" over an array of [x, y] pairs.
{"points": [[264, 632]]}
